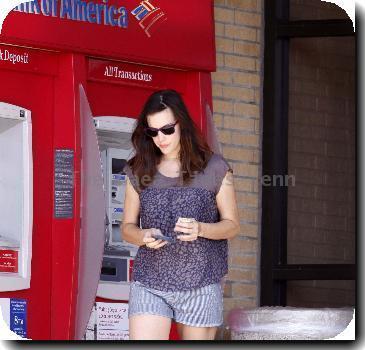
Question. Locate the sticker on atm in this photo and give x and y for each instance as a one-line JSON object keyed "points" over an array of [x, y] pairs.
{"points": [[8, 261], [119, 177]]}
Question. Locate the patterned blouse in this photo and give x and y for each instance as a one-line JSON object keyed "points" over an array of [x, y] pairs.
{"points": [[179, 265]]}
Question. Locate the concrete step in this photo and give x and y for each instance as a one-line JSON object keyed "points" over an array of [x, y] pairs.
{"points": [[288, 323]]}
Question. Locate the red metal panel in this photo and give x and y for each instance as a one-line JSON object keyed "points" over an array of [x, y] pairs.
{"points": [[65, 240], [124, 98], [36, 93], [173, 33], [21, 59]]}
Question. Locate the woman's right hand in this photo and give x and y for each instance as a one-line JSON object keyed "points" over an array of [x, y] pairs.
{"points": [[151, 242]]}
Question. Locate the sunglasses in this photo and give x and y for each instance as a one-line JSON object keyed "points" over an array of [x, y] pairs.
{"points": [[168, 129]]}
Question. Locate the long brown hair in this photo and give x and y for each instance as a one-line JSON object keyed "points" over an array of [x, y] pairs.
{"points": [[194, 150]]}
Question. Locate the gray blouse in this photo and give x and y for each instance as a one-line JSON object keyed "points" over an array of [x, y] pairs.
{"points": [[181, 265]]}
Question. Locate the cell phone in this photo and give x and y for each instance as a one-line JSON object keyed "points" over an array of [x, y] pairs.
{"points": [[162, 237]]}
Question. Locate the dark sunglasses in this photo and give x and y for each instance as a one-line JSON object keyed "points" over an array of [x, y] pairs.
{"points": [[168, 129]]}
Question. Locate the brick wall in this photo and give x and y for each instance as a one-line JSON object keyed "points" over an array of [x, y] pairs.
{"points": [[237, 96], [321, 205]]}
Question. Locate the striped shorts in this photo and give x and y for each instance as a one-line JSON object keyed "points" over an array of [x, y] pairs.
{"points": [[202, 307]]}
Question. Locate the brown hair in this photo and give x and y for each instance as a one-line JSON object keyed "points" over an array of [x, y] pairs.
{"points": [[194, 151]]}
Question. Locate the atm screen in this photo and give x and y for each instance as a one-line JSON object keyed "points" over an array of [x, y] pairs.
{"points": [[118, 165]]}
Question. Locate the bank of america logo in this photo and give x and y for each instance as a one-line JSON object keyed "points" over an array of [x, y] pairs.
{"points": [[148, 16]]}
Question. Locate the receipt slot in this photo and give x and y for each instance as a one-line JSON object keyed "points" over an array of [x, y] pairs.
{"points": [[16, 197]]}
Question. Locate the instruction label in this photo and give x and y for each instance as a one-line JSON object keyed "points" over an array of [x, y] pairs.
{"points": [[14, 316], [18, 317], [64, 183], [8, 260]]}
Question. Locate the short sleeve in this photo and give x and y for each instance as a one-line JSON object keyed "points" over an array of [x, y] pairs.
{"points": [[221, 167], [128, 171]]}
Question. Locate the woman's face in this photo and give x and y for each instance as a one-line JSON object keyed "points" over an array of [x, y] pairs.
{"points": [[168, 144]]}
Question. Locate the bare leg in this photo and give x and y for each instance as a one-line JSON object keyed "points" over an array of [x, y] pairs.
{"points": [[149, 327], [196, 333]]}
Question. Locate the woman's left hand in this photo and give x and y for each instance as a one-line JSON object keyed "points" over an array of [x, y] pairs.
{"points": [[190, 229]]}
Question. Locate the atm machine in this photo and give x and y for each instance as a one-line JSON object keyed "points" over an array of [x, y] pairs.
{"points": [[16, 207], [113, 138], [114, 134], [69, 106]]}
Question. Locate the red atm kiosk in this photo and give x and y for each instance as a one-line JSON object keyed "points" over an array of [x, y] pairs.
{"points": [[74, 76]]}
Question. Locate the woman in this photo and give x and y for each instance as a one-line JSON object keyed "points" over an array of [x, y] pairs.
{"points": [[178, 186]]}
